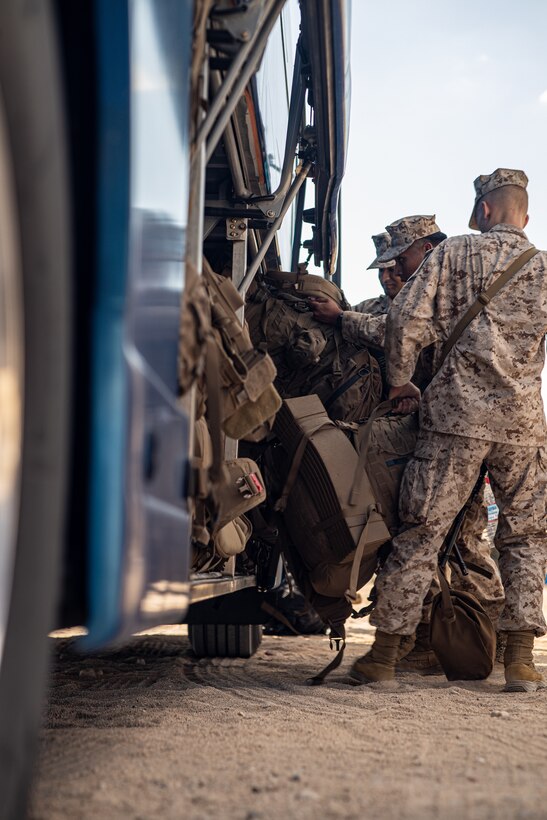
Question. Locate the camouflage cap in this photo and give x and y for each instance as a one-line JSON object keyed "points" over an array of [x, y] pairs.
{"points": [[382, 241], [404, 232], [489, 182]]}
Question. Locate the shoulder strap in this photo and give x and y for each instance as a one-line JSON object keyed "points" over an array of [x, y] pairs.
{"points": [[448, 611], [483, 298], [364, 437]]}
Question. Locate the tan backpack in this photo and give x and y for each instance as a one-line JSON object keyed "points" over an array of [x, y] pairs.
{"points": [[336, 536]]}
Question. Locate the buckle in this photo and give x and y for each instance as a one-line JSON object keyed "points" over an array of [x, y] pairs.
{"points": [[338, 643], [249, 485]]}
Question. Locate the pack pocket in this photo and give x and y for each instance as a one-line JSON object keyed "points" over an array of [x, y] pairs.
{"points": [[419, 484]]}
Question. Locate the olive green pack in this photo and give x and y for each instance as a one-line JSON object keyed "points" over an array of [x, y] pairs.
{"points": [[312, 357]]}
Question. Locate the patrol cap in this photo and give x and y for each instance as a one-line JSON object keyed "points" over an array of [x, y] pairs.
{"points": [[404, 232], [382, 241], [489, 182]]}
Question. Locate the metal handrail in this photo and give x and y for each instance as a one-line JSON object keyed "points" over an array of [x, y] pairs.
{"points": [[228, 96]]}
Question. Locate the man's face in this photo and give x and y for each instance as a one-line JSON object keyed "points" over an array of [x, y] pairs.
{"points": [[410, 260], [390, 279]]}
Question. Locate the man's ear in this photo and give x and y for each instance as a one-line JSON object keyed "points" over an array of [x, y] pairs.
{"points": [[526, 220], [485, 210], [427, 247]]}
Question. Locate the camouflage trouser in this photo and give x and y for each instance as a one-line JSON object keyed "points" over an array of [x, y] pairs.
{"points": [[436, 484], [475, 550]]}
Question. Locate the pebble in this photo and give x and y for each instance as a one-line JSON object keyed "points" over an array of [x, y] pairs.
{"points": [[499, 713], [141, 662], [308, 794], [90, 673], [296, 777]]}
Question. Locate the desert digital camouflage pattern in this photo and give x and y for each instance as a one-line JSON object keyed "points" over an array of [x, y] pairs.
{"points": [[498, 179], [377, 306], [483, 405], [490, 385], [365, 324], [382, 242], [404, 232], [475, 549], [435, 486], [364, 329], [360, 328]]}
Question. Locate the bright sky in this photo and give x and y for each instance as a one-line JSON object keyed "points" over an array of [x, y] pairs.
{"points": [[442, 91]]}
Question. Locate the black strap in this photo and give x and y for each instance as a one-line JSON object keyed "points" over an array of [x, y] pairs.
{"points": [[275, 613], [363, 371], [317, 680]]}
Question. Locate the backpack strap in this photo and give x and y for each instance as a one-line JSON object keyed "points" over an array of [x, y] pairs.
{"points": [[364, 437], [338, 642], [351, 593], [447, 604], [296, 462], [484, 298]]}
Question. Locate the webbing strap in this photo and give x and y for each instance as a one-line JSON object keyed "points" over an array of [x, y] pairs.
{"points": [[275, 613], [361, 372], [351, 593], [318, 679], [447, 605], [281, 503], [364, 437], [484, 298], [486, 573], [214, 409]]}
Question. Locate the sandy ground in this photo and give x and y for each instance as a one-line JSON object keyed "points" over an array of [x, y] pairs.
{"points": [[150, 732]]}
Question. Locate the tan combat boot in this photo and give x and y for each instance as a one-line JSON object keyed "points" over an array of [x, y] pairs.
{"points": [[420, 657], [379, 663], [520, 673]]}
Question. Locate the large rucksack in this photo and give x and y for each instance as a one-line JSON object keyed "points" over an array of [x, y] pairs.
{"points": [[333, 534], [337, 488], [312, 357]]}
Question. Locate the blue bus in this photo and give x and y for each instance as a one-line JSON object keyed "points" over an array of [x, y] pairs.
{"points": [[137, 136]]}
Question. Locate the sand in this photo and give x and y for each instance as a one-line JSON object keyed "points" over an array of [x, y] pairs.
{"points": [[148, 731]]}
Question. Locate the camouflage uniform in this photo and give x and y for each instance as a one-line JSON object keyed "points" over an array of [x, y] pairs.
{"points": [[475, 549], [364, 328], [366, 322], [484, 404], [382, 242], [377, 306]]}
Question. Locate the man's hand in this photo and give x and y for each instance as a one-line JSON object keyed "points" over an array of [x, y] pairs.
{"points": [[325, 309], [407, 397]]}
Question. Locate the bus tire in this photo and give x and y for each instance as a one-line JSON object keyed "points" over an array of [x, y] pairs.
{"points": [[33, 152], [225, 640]]}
